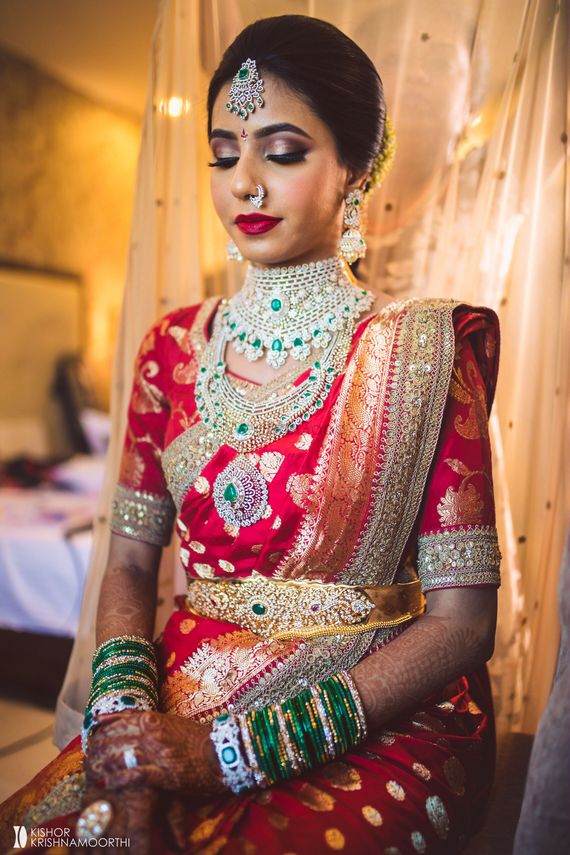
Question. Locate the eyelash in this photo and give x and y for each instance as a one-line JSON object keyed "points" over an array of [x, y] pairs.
{"points": [[284, 159]]}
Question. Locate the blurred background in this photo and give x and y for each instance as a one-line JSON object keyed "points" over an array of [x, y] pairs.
{"points": [[73, 88], [106, 223]]}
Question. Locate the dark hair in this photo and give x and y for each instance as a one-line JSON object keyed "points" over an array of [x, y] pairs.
{"points": [[326, 69]]}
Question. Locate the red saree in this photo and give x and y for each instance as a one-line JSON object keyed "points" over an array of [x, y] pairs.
{"points": [[391, 475]]}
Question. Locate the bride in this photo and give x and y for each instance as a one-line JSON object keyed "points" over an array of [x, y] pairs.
{"points": [[323, 452]]}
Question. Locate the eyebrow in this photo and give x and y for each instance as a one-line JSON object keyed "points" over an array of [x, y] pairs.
{"points": [[266, 131]]}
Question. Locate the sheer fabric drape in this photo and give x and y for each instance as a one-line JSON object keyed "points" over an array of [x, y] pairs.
{"points": [[476, 208]]}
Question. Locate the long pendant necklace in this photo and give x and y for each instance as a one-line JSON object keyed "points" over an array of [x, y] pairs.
{"points": [[245, 423]]}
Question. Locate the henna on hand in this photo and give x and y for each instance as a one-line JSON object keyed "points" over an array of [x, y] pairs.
{"points": [[133, 817], [449, 641], [172, 753]]}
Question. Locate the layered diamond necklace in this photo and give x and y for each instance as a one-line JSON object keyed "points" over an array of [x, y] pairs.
{"points": [[306, 310]]}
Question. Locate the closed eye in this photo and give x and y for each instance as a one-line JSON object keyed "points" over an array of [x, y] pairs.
{"points": [[290, 157], [225, 162]]}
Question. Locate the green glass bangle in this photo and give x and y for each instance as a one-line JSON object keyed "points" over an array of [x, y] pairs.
{"points": [[336, 724], [308, 740], [268, 740], [119, 685], [123, 668], [314, 728], [285, 747], [123, 640], [356, 704], [129, 649], [348, 713], [310, 743], [259, 744], [297, 735], [341, 713], [149, 681]]}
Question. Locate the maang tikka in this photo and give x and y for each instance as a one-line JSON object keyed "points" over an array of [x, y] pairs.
{"points": [[245, 91]]}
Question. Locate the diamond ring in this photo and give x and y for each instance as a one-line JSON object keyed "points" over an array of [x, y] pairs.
{"points": [[94, 820]]}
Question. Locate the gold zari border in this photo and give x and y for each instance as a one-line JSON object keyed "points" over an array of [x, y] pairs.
{"points": [[459, 557]]}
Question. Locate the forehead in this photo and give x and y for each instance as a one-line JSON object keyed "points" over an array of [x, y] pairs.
{"points": [[281, 104]]}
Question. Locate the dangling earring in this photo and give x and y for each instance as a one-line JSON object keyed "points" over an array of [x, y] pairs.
{"points": [[352, 244], [232, 252]]}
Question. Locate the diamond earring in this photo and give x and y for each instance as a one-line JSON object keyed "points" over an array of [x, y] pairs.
{"points": [[232, 252], [352, 244]]}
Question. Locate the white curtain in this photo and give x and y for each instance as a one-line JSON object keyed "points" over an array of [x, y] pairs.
{"points": [[476, 208]]}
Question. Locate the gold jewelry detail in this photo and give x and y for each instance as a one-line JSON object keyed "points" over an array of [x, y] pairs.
{"points": [[286, 609], [94, 820]]}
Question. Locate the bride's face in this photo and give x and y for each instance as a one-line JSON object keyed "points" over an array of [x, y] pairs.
{"points": [[289, 151]]}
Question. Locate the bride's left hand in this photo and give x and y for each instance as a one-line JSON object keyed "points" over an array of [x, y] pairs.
{"points": [[155, 749]]}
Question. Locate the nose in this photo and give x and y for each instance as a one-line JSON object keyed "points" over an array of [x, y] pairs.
{"points": [[243, 183]]}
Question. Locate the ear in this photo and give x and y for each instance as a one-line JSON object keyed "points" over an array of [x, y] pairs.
{"points": [[355, 179]]}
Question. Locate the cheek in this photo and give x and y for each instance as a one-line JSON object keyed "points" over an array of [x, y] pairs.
{"points": [[310, 197], [220, 195]]}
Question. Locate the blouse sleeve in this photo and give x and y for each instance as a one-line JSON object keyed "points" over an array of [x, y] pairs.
{"points": [[457, 536], [142, 507]]}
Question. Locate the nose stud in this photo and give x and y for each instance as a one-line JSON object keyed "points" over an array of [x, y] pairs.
{"points": [[257, 200]]}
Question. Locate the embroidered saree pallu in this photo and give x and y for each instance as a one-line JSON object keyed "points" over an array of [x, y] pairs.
{"points": [[307, 553]]}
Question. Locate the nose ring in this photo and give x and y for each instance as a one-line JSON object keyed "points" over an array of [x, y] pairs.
{"points": [[257, 200]]}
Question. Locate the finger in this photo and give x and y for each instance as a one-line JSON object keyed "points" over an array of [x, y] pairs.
{"points": [[175, 814], [148, 775], [116, 826]]}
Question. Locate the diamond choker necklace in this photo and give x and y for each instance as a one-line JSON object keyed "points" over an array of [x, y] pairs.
{"points": [[292, 310]]}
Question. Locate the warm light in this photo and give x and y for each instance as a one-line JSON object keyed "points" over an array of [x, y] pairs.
{"points": [[476, 121], [175, 106]]}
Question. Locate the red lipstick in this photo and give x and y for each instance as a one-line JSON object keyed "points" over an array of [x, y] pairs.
{"points": [[256, 224]]}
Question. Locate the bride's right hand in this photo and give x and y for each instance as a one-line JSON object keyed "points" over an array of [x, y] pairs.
{"points": [[156, 749]]}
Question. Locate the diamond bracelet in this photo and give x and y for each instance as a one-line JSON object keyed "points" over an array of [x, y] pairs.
{"points": [[225, 735]]}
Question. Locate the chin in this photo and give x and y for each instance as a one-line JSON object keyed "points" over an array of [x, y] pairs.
{"points": [[277, 255]]}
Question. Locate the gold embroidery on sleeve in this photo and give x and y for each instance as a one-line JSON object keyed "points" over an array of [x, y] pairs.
{"points": [[463, 506], [148, 398], [467, 391], [132, 467]]}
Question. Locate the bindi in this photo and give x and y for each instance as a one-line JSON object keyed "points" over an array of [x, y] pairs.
{"points": [[243, 134]]}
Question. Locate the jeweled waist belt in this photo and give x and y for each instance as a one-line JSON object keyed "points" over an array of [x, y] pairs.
{"points": [[304, 609]]}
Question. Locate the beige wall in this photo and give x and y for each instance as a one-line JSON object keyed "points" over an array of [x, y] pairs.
{"points": [[67, 170]]}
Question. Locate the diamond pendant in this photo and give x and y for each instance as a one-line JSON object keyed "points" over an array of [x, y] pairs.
{"points": [[240, 493]]}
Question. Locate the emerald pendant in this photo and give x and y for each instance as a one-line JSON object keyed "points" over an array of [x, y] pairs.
{"points": [[230, 493]]}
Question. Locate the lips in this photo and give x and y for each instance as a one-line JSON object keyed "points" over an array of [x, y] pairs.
{"points": [[256, 224]]}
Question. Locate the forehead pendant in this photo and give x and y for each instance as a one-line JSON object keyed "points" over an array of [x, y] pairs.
{"points": [[245, 92]]}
